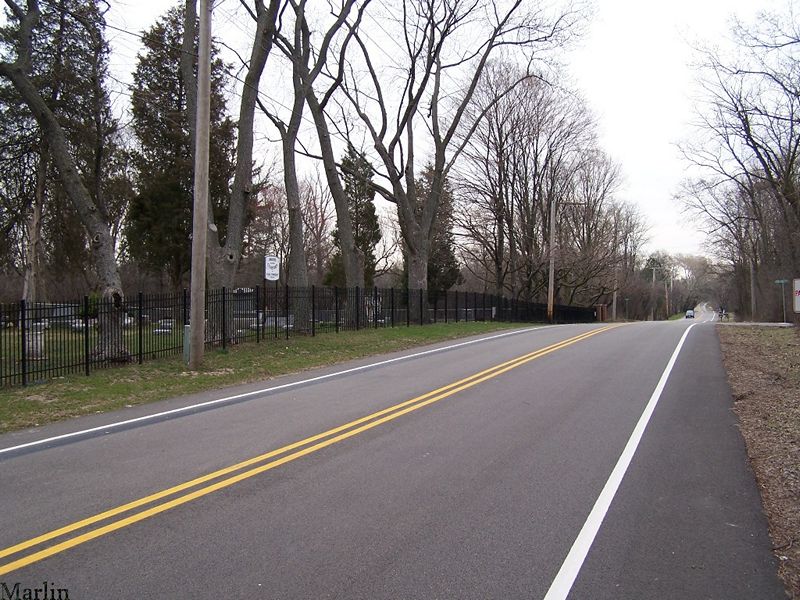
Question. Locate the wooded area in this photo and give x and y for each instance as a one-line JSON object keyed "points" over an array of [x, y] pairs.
{"points": [[430, 145]]}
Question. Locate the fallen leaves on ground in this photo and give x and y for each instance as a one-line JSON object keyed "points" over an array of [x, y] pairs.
{"points": [[763, 365]]}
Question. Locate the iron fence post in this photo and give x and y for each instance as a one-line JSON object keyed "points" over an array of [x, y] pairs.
{"points": [[2, 364], [336, 307], [140, 319], [392, 307], [421, 308], [24, 340], [258, 318], [375, 306], [408, 307], [86, 333], [286, 298], [224, 321], [435, 307], [446, 294], [456, 310], [313, 311], [358, 310], [264, 311]]}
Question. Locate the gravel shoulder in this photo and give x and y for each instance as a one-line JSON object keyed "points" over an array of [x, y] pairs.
{"points": [[763, 365]]}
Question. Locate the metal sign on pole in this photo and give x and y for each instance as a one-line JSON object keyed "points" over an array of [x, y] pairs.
{"points": [[796, 295], [272, 268]]}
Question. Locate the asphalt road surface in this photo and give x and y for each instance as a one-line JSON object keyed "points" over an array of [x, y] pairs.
{"points": [[580, 461]]}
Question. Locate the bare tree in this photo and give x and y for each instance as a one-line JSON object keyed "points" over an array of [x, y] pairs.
{"points": [[353, 259], [318, 221], [750, 157], [440, 42], [524, 156], [225, 251], [486, 179], [267, 231], [589, 234], [307, 62]]}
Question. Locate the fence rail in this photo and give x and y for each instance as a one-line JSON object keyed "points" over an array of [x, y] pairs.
{"points": [[47, 340]]}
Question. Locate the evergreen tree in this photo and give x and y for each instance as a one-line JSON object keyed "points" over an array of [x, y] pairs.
{"points": [[69, 64], [160, 217], [443, 268], [357, 178]]}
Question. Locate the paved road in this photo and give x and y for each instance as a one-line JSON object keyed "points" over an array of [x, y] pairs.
{"points": [[475, 483]]}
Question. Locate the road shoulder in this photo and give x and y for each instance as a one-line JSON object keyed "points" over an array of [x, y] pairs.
{"points": [[764, 375]]}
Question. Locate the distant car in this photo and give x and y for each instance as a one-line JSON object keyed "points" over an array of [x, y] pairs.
{"points": [[690, 314]]}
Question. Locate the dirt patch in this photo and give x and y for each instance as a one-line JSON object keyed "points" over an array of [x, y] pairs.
{"points": [[763, 365]]}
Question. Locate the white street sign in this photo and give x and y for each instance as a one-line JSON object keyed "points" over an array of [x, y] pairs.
{"points": [[272, 268], [796, 295]]}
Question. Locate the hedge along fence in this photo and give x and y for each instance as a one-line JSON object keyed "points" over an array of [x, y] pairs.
{"points": [[47, 340]]}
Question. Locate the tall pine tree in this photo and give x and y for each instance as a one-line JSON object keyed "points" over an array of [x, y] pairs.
{"points": [[160, 217], [357, 178], [443, 268]]}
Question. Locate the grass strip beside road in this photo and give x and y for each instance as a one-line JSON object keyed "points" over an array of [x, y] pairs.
{"points": [[285, 454], [120, 387]]}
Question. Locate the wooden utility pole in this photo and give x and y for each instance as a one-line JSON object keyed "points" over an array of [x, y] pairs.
{"points": [[200, 215], [551, 276]]}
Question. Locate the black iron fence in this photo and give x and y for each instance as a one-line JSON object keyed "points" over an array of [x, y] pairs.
{"points": [[48, 340]]}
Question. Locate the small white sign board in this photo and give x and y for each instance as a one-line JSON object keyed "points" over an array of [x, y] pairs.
{"points": [[796, 295], [272, 268]]}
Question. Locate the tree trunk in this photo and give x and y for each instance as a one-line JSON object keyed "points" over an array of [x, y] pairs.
{"points": [[111, 344], [223, 261], [418, 278], [31, 287], [352, 256]]}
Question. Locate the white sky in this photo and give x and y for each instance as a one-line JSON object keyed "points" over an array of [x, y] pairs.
{"points": [[634, 69]]}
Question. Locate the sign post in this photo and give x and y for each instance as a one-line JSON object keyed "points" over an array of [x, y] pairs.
{"points": [[783, 282], [272, 272], [796, 296]]}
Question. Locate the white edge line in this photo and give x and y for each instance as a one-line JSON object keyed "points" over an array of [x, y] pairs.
{"points": [[562, 584], [284, 386]]}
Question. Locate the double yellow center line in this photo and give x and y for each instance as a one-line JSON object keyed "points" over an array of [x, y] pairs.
{"points": [[252, 467]]}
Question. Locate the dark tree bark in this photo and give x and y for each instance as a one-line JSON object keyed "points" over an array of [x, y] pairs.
{"points": [[110, 346]]}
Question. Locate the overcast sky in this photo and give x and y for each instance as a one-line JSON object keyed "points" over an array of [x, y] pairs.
{"points": [[634, 69]]}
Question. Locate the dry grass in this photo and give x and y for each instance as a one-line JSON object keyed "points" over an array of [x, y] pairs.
{"points": [[763, 365]]}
